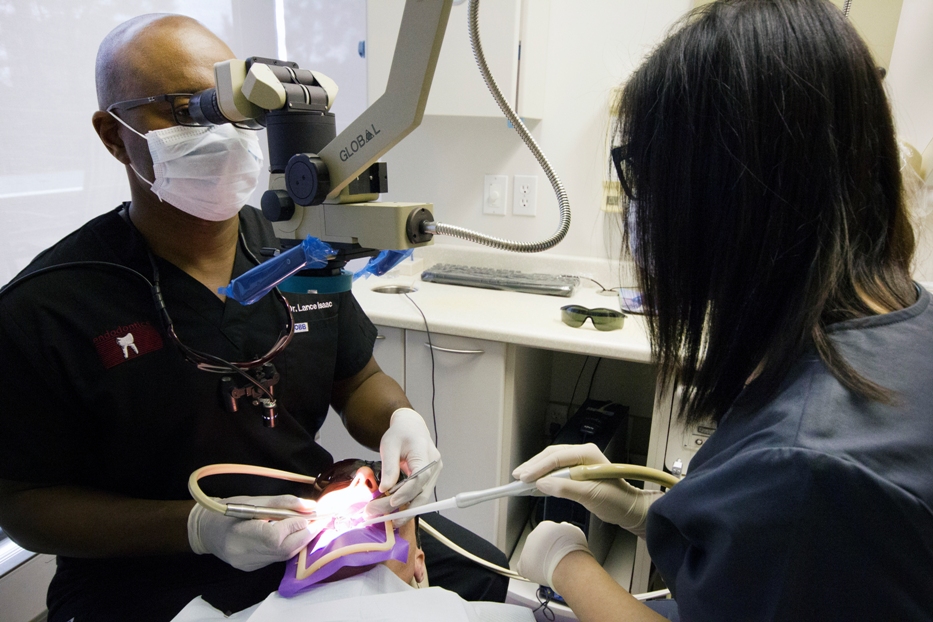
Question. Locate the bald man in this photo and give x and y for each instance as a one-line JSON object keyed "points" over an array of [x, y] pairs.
{"points": [[113, 418]]}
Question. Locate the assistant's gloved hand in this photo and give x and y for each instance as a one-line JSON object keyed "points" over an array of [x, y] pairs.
{"points": [[248, 544], [546, 546], [612, 500], [406, 444]]}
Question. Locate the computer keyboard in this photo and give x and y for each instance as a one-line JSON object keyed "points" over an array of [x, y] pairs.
{"points": [[508, 280]]}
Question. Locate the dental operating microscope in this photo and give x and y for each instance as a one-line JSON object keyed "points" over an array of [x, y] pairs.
{"points": [[322, 184], [325, 186]]}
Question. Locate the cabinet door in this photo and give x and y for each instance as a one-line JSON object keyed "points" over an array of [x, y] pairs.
{"points": [[458, 87], [469, 387], [389, 352], [23, 589]]}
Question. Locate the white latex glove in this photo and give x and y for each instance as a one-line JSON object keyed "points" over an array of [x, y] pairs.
{"points": [[612, 500], [407, 445], [248, 544], [546, 546]]}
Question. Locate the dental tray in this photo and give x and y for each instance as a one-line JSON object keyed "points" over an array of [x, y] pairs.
{"points": [[506, 280]]}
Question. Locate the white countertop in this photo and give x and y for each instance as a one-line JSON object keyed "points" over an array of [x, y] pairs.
{"points": [[510, 317]]}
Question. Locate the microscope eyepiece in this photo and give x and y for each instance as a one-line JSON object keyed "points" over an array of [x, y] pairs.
{"points": [[204, 109]]}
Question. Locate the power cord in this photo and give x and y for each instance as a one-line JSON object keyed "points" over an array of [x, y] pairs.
{"points": [[575, 385], [433, 382], [601, 286], [589, 391], [545, 595]]}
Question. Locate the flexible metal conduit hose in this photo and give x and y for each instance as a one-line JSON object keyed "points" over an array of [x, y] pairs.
{"points": [[562, 200]]}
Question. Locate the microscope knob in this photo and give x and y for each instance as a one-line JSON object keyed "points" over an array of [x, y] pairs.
{"points": [[307, 179], [277, 206]]}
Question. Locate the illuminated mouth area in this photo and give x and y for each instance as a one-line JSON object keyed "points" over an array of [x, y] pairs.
{"points": [[346, 504], [341, 541]]}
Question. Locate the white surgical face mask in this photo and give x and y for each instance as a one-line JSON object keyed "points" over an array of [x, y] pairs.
{"points": [[208, 172]]}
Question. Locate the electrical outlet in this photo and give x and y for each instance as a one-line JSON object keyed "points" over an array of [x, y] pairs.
{"points": [[525, 195], [495, 194]]}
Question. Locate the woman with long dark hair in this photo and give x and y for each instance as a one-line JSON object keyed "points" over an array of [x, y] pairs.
{"points": [[767, 223]]}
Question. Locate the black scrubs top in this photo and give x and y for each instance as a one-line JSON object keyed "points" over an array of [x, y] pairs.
{"points": [[101, 397]]}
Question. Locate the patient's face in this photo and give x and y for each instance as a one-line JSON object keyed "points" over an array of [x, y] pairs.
{"points": [[348, 494]]}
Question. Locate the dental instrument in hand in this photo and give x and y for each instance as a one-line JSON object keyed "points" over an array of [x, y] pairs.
{"points": [[394, 489], [463, 500], [244, 510], [247, 511], [517, 488]]}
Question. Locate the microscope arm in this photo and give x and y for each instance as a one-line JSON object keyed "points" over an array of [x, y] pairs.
{"points": [[400, 109]]}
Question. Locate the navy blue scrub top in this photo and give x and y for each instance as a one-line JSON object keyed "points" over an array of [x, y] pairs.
{"points": [[817, 506]]}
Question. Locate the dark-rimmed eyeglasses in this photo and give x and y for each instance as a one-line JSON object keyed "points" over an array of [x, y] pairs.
{"points": [[180, 112], [622, 163], [178, 102], [603, 319]]}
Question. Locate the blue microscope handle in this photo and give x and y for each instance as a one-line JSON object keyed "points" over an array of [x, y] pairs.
{"points": [[259, 281]]}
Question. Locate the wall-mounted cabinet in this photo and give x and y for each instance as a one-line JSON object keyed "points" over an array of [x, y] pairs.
{"points": [[490, 399], [514, 35]]}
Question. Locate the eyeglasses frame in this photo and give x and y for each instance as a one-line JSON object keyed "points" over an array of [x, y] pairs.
{"points": [[619, 155], [129, 104]]}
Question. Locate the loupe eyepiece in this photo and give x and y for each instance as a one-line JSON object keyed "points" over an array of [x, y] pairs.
{"points": [[204, 109]]}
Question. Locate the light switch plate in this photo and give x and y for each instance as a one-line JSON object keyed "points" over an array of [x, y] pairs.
{"points": [[495, 194]]}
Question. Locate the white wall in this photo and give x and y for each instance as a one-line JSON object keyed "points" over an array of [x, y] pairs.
{"points": [[592, 47], [910, 85], [54, 173], [324, 35], [910, 81]]}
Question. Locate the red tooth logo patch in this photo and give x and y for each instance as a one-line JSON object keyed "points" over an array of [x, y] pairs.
{"points": [[127, 342]]}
